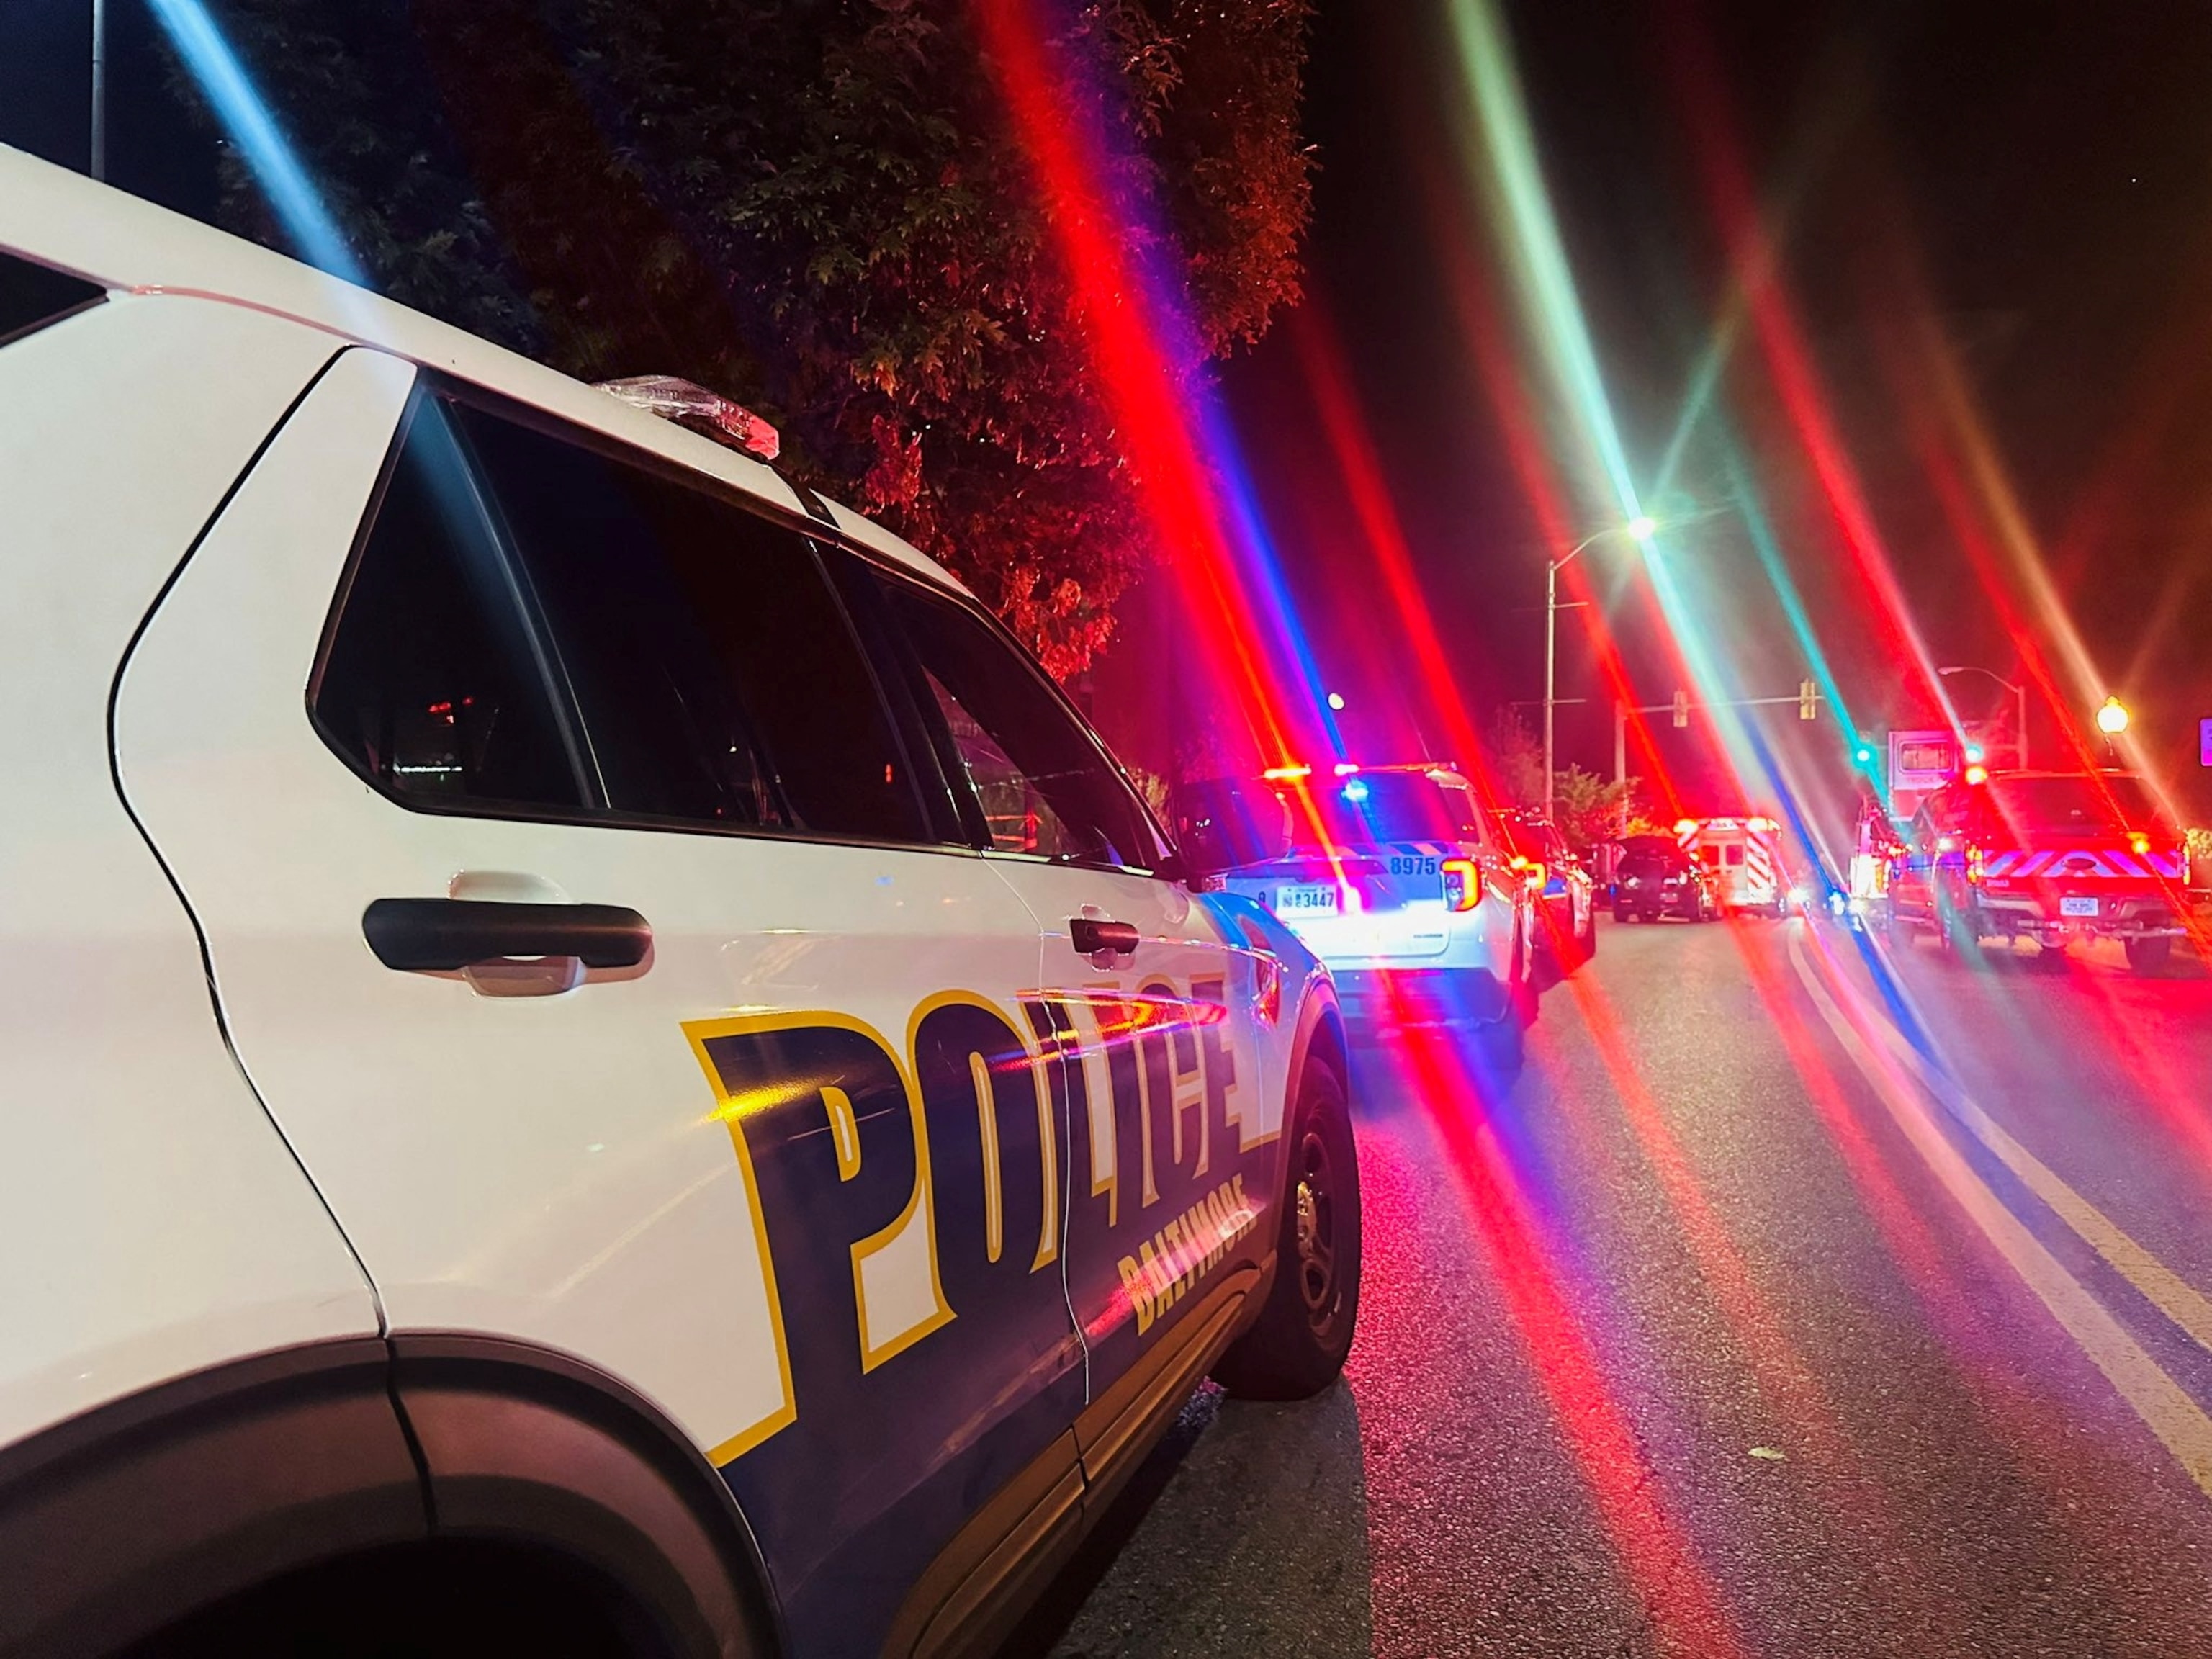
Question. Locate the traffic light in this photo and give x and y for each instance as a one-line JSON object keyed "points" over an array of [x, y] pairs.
{"points": [[1681, 708], [1864, 752], [1808, 700]]}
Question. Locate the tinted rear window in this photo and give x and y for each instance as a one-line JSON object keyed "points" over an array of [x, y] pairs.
{"points": [[1651, 853], [537, 628], [2089, 805]]}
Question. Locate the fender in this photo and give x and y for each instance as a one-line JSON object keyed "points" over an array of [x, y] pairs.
{"points": [[120, 1523], [521, 1443]]}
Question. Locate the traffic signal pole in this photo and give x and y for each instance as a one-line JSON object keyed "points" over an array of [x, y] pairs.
{"points": [[1808, 700]]}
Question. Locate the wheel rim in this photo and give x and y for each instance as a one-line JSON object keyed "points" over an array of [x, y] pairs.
{"points": [[1313, 1201]]}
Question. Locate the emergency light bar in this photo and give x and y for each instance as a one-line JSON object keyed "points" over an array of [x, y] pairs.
{"points": [[708, 413]]}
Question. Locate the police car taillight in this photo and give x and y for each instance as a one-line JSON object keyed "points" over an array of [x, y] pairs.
{"points": [[709, 413], [1462, 883]]}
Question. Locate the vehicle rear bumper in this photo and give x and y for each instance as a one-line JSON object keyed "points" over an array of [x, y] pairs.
{"points": [[1376, 1001], [1647, 903], [2118, 919]]}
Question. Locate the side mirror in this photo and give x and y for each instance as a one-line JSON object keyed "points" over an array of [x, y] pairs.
{"points": [[1222, 828]]}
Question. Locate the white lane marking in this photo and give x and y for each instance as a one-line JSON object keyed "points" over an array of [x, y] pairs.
{"points": [[2166, 1290], [2165, 1408]]}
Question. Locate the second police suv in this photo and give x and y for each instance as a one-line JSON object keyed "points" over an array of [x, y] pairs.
{"points": [[595, 1061]]}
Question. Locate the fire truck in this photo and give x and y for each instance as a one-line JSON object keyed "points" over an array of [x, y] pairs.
{"points": [[1745, 853]]}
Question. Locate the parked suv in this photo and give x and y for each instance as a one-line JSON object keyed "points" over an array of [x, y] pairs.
{"points": [[1390, 876], [553, 1106], [1655, 878], [1566, 930]]}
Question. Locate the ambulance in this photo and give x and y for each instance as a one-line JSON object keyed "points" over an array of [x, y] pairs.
{"points": [[1745, 853]]}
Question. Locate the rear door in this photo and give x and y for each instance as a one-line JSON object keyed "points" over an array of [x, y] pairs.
{"points": [[788, 1166], [1172, 1062]]}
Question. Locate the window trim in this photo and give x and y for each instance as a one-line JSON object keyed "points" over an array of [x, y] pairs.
{"points": [[430, 383], [941, 739]]}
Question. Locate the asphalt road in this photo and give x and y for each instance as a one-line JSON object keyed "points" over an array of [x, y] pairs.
{"points": [[1794, 1301]]}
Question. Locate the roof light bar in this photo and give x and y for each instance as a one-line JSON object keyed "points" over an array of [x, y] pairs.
{"points": [[708, 413]]}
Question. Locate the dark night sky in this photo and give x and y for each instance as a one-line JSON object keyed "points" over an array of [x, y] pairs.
{"points": [[2041, 171], [2046, 169]]}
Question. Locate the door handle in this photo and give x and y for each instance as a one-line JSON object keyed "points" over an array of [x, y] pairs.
{"points": [[1089, 935], [434, 935]]}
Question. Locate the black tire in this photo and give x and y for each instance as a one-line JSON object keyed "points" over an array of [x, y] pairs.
{"points": [[1297, 1346], [450, 1600], [2149, 956], [1586, 940], [1955, 927], [1622, 914], [1504, 1046], [1520, 984]]}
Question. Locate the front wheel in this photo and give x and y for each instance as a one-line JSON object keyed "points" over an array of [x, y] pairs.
{"points": [[1297, 1345]]}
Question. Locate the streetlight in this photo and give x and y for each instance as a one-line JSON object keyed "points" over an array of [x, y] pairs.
{"points": [[1640, 530], [2020, 708], [2112, 717], [1336, 701]]}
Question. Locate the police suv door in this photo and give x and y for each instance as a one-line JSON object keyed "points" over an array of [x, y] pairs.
{"points": [[585, 920], [1174, 1060]]}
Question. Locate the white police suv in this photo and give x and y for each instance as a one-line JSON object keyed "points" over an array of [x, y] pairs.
{"points": [[593, 1059], [1398, 880]]}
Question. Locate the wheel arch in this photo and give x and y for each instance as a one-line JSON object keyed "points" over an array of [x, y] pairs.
{"points": [[1321, 1034], [171, 1502]]}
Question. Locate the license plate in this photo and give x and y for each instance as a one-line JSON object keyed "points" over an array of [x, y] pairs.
{"points": [[2077, 907], [1319, 895]]}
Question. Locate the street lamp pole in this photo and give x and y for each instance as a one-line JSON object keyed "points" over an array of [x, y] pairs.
{"points": [[2019, 706], [98, 158], [1640, 529], [1550, 666]]}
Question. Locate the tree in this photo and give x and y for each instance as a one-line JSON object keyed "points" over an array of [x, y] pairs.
{"points": [[1517, 759], [814, 208], [1586, 809]]}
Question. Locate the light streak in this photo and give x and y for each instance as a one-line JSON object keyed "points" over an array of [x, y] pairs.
{"points": [[253, 126], [1147, 356]]}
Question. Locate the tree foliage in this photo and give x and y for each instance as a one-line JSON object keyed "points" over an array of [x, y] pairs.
{"points": [[1587, 809], [816, 207]]}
